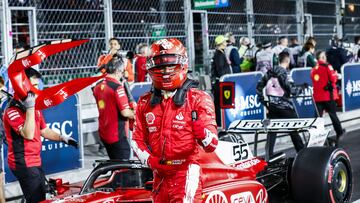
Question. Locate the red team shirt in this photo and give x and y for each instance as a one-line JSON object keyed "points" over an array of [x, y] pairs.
{"points": [[110, 97], [22, 152]]}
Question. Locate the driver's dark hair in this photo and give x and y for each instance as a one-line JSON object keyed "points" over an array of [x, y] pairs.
{"points": [[283, 55]]}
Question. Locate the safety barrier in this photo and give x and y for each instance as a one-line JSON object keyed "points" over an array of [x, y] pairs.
{"points": [[138, 89], [247, 105], [350, 85], [56, 156], [304, 103]]}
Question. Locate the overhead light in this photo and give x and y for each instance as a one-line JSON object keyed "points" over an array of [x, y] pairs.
{"points": [[351, 7]]}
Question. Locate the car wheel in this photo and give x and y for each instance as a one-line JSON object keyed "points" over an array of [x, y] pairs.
{"points": [[321, 174]]}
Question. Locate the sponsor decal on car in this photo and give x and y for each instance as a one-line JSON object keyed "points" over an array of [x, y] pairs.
{"points": [[244, 197], [247, 164]]}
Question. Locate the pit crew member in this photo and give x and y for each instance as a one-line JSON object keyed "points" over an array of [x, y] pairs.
{"points": [[114, 110], [23, 127]]}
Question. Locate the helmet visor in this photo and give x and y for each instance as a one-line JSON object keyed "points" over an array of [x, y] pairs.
{"points": [[165, 60]]}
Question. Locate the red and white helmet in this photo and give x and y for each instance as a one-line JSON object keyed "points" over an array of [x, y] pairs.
{"points": [[167, 64]]}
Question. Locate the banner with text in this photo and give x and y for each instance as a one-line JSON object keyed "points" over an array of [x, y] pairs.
{"points": [[304, 103], [247, 105], [351, 86]]}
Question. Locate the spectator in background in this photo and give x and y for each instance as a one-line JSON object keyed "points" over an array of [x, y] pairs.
{"points": [[337, 55], [114, 50], [266, 58], [140, 62], [246, 53], [356, 48], [311, 40], [307, 58], [219, 67], [114, 109], [232, 53], [324, 79], [2, 136], [283, 46], [355, 58], [295, 49], [276, 98]]}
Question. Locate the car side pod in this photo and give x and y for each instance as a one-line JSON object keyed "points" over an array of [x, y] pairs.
{"points": [[321, 175]]}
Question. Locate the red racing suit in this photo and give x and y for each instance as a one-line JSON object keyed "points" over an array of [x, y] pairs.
{"points": [[320, 76], [165, 131]]}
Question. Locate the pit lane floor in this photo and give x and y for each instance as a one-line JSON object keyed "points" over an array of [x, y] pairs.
{"points": [[351, 143]]}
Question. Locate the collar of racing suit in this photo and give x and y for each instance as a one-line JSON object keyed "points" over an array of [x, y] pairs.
{"points": [[178, 96]]}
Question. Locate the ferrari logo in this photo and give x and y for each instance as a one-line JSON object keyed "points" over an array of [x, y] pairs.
{"points": [[102, 87], [227, 94]]}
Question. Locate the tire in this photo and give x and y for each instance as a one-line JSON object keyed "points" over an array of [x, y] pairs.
{"points": [[321, 175]]}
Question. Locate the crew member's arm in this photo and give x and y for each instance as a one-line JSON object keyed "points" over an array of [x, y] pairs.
{"points": [[139, 141], [130, 71], [332, 74], [50, 134], [104, 59], [205, 128], [260, 87], [28, 129], [122, 102]]}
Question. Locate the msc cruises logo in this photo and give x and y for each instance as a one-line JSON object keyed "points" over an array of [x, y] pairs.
{"points": [[353, 88]]}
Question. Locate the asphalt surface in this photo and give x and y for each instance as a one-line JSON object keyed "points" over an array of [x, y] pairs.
{"points": [[351, 143]]}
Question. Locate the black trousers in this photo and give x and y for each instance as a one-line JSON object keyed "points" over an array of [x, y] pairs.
{"points": [[277, 113], [330, 107], [216, 94], [32, 182], [119, 149]]}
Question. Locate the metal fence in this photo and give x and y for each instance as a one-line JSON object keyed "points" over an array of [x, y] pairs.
{"points": [[143, 21], [323, 20]]}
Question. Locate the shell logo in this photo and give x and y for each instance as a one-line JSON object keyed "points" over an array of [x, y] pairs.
{"points": [[316, 77], [101, 104]]}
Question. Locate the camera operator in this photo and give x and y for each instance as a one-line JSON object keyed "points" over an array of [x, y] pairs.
{"points": [[324, 79], [114, 45]]}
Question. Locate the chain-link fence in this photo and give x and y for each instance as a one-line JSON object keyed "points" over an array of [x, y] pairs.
{"points": [[323, 20], [352, 22], [138, 21], [273, 19]]}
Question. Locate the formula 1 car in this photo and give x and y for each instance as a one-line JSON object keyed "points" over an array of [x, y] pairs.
{"points": [[232, 174]]}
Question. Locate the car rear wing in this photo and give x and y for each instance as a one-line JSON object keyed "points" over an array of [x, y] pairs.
{"points": [[275, 125]]}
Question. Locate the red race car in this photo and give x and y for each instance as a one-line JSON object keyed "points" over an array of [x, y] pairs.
{"points": [[232, 174]]}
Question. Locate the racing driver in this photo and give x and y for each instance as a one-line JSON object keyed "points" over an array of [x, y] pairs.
{"points": [[171, 123]]}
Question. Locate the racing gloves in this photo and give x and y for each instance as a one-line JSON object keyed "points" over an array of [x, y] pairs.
{"points": [[205, 137], [69, 141], [154, 163], [29, 102]]}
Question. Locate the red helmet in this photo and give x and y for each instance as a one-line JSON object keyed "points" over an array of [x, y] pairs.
{"points": [[167, 64]]}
